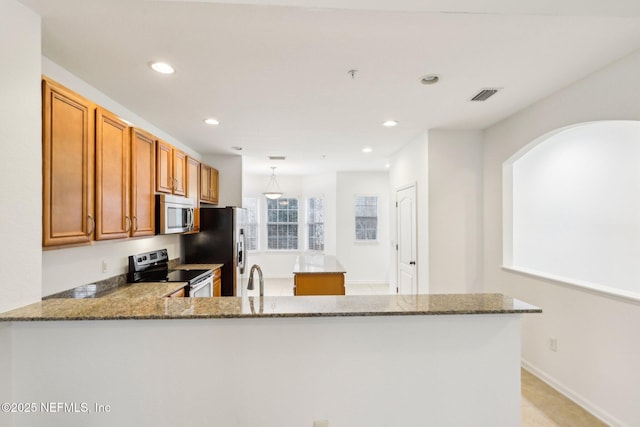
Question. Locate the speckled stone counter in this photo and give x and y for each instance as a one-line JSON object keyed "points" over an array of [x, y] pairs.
{"points": [[317, 264], [117, 287], [109, 308]]}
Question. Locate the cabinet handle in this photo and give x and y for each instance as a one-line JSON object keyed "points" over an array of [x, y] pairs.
{"points": [[93, 225], [135, 219], [129, 225]]}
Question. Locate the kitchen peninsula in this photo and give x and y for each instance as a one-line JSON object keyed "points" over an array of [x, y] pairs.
{"points": [[375, 360], [318, 275]]}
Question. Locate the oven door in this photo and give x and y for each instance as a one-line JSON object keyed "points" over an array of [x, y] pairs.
{"points": [[203, 288]]}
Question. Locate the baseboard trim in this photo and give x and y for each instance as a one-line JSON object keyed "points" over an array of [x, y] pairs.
{"points": [[579, 400]]}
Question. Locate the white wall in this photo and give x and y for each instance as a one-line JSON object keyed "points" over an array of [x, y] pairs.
{"points": [[576, 206], [324, 185], [20, 173], [278, 372], [274, 264], [365, 262], [409, 166], [71, 267], [6, 372], [229, 176], [596, 361], [455, 212], [21, 147]]}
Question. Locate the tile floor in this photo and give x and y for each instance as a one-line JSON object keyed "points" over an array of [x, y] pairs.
{"points": [[542, 406]]}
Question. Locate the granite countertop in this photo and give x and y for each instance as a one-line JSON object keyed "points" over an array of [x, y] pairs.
{"points": [[277, 306], [118, 287], [198, 266], [317, 264]]}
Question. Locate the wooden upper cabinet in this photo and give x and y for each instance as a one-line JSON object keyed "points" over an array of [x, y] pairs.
{"points": [[112, 176], [143, 183], [68, 166], [209, 184], [179, 172], [171, 169], [164, 167], [215, 187], [193, 188], [204, 182]]}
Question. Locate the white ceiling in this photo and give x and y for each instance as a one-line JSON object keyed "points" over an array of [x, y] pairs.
{"points": [[276, 77]]}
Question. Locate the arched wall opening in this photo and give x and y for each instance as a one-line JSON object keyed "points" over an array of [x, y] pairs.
{"points": [[571, 208]]}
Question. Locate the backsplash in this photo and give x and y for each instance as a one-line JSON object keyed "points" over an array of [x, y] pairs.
{"points": [[102, 287]]}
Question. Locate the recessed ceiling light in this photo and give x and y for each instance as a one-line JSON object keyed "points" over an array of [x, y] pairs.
{"points": [[430, 79], [387, 165], [367, 150], [211, 121], [162, 67], [390, 123]]}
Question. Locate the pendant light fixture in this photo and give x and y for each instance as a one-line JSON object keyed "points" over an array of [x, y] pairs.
{"points": [[273, 189]]}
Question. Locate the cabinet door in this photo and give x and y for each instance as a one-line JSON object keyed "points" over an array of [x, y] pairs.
{"points": [[112, 176], [193, 189], [179, 293], [217, 283], [68, 166], [143, 161], [205, 187], [164, 167], [209, 184], [179, 172], [214, 186]]}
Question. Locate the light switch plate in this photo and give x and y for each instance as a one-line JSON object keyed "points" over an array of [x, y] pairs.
{"points": [[321, 423]]}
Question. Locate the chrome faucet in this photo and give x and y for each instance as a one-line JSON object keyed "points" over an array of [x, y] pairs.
{"points": [[250, 285]]}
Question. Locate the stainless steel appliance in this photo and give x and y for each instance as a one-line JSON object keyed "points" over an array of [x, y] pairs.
{"points": [[154, 267], [174, 214], [221, 240]]}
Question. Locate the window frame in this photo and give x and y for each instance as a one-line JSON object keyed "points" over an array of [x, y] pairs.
{"points": [[296, 224], [308, 224], [377, 217], [257, 223]]}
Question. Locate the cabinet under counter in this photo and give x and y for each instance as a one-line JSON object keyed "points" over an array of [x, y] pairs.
{"points": [[318, 275]]}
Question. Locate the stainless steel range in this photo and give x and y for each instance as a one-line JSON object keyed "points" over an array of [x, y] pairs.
{"points": [[154, 267]]}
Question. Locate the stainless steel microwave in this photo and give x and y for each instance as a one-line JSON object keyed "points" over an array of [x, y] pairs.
{"points": [[174, 214]]}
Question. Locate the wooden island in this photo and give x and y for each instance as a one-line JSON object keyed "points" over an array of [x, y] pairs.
{"points": [[318, 275]]}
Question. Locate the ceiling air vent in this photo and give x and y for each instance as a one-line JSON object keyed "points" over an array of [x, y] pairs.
{"points": [[277, 157], [485, 94]]}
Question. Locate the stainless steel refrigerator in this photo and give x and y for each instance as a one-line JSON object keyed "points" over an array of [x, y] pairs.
{"points": [[221, 240]]}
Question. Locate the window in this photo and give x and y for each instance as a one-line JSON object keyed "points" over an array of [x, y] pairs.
{"points": [[252, 226], [366, 218], [315, 224], [282, 224]]}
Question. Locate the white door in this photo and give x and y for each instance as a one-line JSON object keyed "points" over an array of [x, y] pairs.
{"points": [[406, 240]]}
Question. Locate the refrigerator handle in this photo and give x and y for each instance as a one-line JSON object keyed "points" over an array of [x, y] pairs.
{"points": [[241, 251]]}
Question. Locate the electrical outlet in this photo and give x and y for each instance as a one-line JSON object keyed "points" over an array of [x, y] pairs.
{"points": [[553, 344], [105, 266], [321, 423]]}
